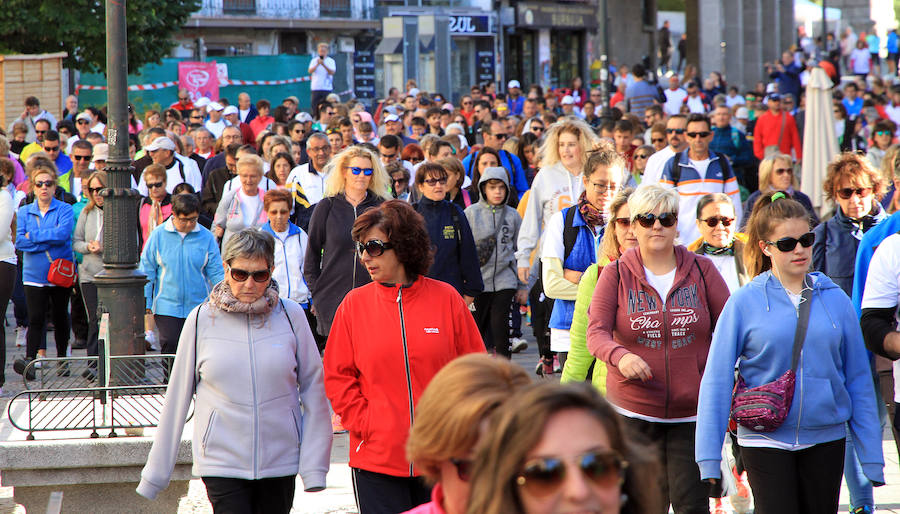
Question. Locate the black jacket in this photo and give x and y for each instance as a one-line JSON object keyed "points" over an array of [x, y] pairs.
{"points": [[213, 190], [455, 257], [331, 267]]}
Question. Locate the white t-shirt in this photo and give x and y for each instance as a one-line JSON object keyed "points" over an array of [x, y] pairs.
{"points": [[731, 101], [655, 165], [250, 207], [674, 99], [662, 283], [727, 268], [320, 79], [242, 113], [883, 286], [180, 164], [701, 166], [695, 105], [216, 127]]}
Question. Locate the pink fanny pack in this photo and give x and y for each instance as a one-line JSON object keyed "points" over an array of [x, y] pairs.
{"points": [[764, 408]]}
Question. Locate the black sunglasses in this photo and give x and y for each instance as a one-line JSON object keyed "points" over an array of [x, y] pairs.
{"points": [[151, 185], [666, 219], [81, 157], [543, 476], [847, 192], [259, 276], [675, 131], [703, 134], [95, 190], [787, 244], [375, 247], [40, 184], [435, 181], [658, 140], [714, 221]]}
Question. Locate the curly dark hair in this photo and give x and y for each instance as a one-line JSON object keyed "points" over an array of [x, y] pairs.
{"points": [[405, 229]]}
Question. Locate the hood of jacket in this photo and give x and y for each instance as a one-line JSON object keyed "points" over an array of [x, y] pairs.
{"points": [[493, 173], [771, 285]]}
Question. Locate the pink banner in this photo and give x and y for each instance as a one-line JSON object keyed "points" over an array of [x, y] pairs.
{"points": [[199, 79]]}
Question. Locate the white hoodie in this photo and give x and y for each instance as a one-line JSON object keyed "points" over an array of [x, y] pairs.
{"points": [[553, 189]]}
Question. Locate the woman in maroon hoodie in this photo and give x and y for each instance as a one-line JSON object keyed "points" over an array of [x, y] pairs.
{"points": [[651, 320]]}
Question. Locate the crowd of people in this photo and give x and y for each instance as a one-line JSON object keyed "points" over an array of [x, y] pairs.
{"points": [[351, 259]]}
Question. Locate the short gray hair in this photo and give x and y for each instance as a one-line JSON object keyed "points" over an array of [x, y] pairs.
{"points": [[648, 197], [250, 243]]}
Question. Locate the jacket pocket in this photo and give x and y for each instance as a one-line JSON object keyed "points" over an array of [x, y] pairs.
{"points": [[298, 427], [817, 405], [208, 431]]}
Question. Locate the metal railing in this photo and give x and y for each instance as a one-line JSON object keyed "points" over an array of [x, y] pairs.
{"points": [[91, 393]]}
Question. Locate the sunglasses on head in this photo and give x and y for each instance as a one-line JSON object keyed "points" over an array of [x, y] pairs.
{"points": [[703, 134], [240, 275], [435, 181], [365, 171], [666, 219], [787, 244], [544, 476], [674, 131], [40, 184], [713, 221], [374, 248], [847, 192]]}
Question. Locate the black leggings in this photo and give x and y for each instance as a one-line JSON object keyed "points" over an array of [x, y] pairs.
{"points": [[541, 308], [801, 481], [40, 300], [263, 496], [377, 493], [7, 281], [492, 318]]}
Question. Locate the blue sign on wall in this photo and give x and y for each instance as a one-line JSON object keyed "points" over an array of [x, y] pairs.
{"points": [[470, 24]]}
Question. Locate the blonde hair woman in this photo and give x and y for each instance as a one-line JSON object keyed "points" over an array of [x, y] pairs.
{"points": [[356, 182], [88, 241], [776, 173]]}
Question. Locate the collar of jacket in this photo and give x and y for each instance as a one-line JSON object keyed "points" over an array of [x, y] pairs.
{"points": [[389, 291], [293, 230], [145, 200], [34, 209], [685, 160], [868, 221], [432, 204]]}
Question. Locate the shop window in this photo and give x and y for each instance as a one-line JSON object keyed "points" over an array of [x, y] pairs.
{"points": [[565, 57], [238, 6]]}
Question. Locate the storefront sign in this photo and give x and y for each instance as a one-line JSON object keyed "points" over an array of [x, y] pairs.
{"points": [[364, 71], [485, 67], [556, 16], [470, 24]]}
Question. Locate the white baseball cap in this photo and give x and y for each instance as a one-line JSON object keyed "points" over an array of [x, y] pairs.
{"points": [[567, 100], [303, 117], [160, 143], [742, 113], [202, 102], [230, 110], [391, 117], [215, 106], [514, 84]]}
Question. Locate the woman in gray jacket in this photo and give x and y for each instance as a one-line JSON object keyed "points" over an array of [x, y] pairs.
{"points": [[88, 241], [252, 362]]}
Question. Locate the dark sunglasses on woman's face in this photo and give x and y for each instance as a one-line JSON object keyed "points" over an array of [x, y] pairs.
{"points": [[240, 275], [787, 244], [713, 221], [623, 222], [435, 181], [374, 248], [666, 219], [95, 190], [40, 184], [847, 192], [365, 171], [544, 476]]}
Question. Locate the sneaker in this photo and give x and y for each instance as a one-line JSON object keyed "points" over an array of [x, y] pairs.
{"points": [[539, 369], [556, 367], [722, 506], [862, 510], [20, 336], [89, 374], [19, 366], [517, 344], [336, 426]]}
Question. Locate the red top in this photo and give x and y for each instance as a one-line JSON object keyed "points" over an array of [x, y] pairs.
{"points": [[258, 124], [435, 506], [768, 127], [672, 337], [377, 368]]}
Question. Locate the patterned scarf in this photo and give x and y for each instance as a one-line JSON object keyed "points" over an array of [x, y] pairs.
{"points": [[222, 298], [709, 249], [592, 216]]}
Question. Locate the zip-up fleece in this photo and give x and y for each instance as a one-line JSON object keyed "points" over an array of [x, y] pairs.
{"points": [[51, 233], [260, 410], [181, 271], [288, 271], [672, 337], [386, 344], [501, 222], [553, 189], [834, 382], [331, 268]]}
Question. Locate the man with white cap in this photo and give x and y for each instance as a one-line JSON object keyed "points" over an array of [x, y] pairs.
{"points": [[515, 100], [82, 127], [568, 107], [393, 125], [178, 168], [321, 72], [232, 117], [215, 123]]}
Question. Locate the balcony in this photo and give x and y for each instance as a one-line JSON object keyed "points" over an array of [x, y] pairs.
{"points": [[282, 10], [335, 8]]}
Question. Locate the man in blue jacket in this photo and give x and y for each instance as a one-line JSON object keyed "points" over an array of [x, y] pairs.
{"points": [[786, 74], [182, 263], [494, 137]]}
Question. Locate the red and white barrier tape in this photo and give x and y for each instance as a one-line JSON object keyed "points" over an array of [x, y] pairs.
{"points": [[229, 82]]}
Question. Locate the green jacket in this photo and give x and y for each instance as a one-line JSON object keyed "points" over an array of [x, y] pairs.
{"points": [[580, 359]]}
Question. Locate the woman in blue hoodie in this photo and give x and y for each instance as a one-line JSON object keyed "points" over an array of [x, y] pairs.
{"points": [[798, 466]]}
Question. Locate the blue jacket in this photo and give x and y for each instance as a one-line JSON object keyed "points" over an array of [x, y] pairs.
{"points": [[181, 271], [733, 143], [584, 253], [51, 234], [867, 246], [788, 81], [455, 257], [834, 252], [834, 383], [515, 105], [509, 161]]}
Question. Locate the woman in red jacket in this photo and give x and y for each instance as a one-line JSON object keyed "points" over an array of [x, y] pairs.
{"points": [[651, 320], [387, 341]]}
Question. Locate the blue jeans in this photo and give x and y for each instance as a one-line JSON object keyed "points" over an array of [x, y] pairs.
{"points": [[859, 487]]}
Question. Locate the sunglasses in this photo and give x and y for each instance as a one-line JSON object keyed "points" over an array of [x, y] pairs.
{"points": [[40, 184], [51, 149], [375, 247], [703, 134], [782, 171], [883, 133], [94, 190], [623, 222], [658, 140], [182, 97], [641, 156], [787, 244], [713, 221], [260, 276], [544, 476], [537, 128], [463, 468], [435, 181], [152, 185], [501, 136], [365, 171], [333, 131], [602, 187], [81, 157], [675, 131], [666, 219], [847, 192], [40, 131], [82, 122]]}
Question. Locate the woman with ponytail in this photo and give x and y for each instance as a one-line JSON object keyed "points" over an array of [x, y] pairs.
{"points": [[797, 466]]}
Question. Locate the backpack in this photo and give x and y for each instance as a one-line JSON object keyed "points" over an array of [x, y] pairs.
{"points": [[570, 232]]}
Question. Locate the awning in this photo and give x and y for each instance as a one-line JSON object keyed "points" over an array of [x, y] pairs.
{"points": [[426, 43], [390, 45]]}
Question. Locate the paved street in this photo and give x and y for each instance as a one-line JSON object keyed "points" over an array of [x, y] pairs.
{"points": [[338, 497]]}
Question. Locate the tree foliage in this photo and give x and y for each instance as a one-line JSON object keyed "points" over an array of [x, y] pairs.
{"points": [[78, 27]]}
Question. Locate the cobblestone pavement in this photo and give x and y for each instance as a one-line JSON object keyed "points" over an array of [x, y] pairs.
{"points": [[338, 497]]}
